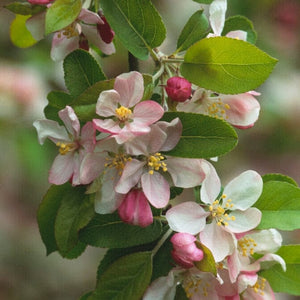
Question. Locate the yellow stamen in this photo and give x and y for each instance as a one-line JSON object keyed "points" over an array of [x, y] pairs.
{"points": [[123, 113], [118, 161], [65, 148], [155, 163]]}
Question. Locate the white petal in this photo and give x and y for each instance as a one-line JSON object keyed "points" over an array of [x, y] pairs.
{"points": [[217, 11], [107, 103], [62, 46], [70, 120], [36, 26], [268, 260]]}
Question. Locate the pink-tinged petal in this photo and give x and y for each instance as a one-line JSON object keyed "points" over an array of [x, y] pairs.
{"points": [[76, 169], [130, 86], [62, 46], [89, 17], [126, 135], [187, 217], [107, 103], [227, 289], [185, 172], [211, 184], [147, 112], [233, 265], [265, 294], [156, 189], [93, 36], [217, 11], [220, 242], [107, 201], [130, 177], [41, 2], [36, 26], [244, 109], [269, 259], [245, 281], [244, 190], [135, 209], [238, 34], [91, 167], [173, 131], [50, 129], [62, 169], [68, 116], [88, 137], [107, 126], [244, 220]]}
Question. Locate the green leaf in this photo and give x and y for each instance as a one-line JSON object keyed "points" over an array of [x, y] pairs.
{"points": [[86, 296], [202, 136], [279, 177], [195, 29], [175, 191], [285, 282], [137, 24], [76, 251], [226, 65], [25, 9], [61, 14], [240, 23], [207, 264], [75, 211], [81, 72], [180, 293], [108, 231], [127, 278], [204, 1], [57, 101], [19, 34], [47, 213], [280, 206]]}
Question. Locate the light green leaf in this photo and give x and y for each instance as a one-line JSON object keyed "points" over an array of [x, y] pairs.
{"points": [[25, 9], [240, 23], [136, 23], [195, 29], [226, 65], [126, 279], [279, 177], [202, 136], [207, 264], [81, 72], [280, 206], [61, 14], [108, 231], [285, 282], [204, 1], [19, 34]]}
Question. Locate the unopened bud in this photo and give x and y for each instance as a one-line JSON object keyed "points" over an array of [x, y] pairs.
{"points": [[178, 89], [105, 31]]}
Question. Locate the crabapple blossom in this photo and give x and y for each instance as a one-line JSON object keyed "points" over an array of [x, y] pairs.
{"points": [[178, 89], [73, 145], [126, 115], [229, 214]]}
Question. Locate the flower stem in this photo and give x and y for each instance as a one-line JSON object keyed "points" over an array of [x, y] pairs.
{"points": [[162, 240]]}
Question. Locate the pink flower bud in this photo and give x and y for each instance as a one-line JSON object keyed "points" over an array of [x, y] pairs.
{"points": [[135, 209], [185, 251], [83, 42], [178, 89], [105, 31], [40, 1]]}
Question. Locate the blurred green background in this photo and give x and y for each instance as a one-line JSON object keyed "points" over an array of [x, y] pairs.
{"points": [[27, 75]]}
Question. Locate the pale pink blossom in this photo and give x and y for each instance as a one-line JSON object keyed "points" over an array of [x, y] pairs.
{"points": [[126, 116], [73, 145], [231, 213]]}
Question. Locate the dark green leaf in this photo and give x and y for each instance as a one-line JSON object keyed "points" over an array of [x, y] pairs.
{"points": [[81, 72], [279, 177], [175, 191], [86, 296], [226, 65], [108, 231], [25, 9], [136, 23], [195, 29], [280, 206], [240, 23], [61, 14], [180, 293], [126, 279], [202, 136]]}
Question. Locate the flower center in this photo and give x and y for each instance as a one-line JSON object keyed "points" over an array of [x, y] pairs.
{"points": [[123, 113], [220, 211], [259, 286], [216, 108], [246, 246], [117, 161], [195, 285], [155, 162], [65, 148], [69, 31]]}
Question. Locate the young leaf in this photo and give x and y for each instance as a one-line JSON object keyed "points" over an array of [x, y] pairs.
{"points": [[280, 206], [137, 24], [202, 136], [240, 23], [127, 278], [226, 65], [19, 34], [25, 9], [279, 177], [285, 282], [47, 213], [81, 72], [207, 264], [108, 231], [61, 14], [194, 30], [75, 211]]}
